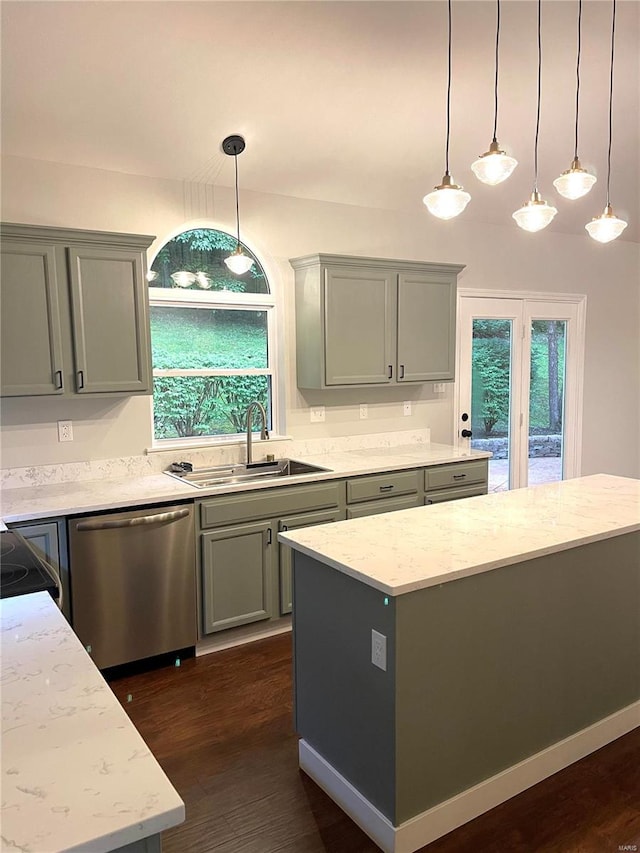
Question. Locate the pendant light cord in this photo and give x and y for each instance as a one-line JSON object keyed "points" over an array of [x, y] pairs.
{"points": [[575, 154], [613, 32], [235, 160], [495, 87], [448, 97], [535, 148]]}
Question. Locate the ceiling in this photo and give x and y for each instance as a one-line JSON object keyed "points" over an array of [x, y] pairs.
{"points": [[338, 101]]}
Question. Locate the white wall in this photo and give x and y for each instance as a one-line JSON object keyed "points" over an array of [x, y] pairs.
{"points": [[279, 228]]}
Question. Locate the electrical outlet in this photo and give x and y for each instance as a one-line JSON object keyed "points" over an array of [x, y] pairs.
{"points": [[439, 387], [65, 431], [378, 650], [364, 411], [406, 408], [316, 414]]}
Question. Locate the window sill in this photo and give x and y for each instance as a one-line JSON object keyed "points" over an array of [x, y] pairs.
{"points": [[210, 443]]}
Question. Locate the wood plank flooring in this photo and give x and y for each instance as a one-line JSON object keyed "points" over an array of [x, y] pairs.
{"points": [[221, 727]]}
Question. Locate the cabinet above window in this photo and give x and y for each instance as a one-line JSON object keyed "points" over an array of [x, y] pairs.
{"points": [[374, 321], [74, 312]]}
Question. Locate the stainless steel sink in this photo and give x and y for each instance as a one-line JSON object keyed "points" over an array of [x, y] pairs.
{"points": [[203, 478]]}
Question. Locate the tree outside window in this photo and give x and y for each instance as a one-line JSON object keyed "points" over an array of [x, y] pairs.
{"points": [[210, 335]]}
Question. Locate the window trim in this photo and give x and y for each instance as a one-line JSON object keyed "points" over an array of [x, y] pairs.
{"points": [[222, 300]]}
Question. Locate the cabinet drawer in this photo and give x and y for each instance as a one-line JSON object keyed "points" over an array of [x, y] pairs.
{"points": [[458, 474], [384, 486], [247, 506], [455, 494], [378, 507]]}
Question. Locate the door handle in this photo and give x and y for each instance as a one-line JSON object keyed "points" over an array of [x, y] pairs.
{"points": [[402, 371], [81, 379], [110, 524], [390, 372], [58, 380], [466, 433]]}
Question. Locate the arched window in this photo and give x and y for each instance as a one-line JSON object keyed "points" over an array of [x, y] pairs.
{"points": [[211, 338]]}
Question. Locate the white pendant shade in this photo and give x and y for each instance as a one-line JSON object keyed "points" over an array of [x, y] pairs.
{"points": [[535, 214], [183, 278], [238, 263], [575, 182], [606, 227], [447, 200], [494, 166]]}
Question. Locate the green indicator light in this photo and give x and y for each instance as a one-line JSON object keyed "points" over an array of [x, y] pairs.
{"points": [[386, 601]]}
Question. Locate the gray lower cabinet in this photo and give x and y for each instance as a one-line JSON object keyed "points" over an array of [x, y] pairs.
{"points": [[237, 575], [294, 522], [246, 574], [456, 481], [373, 321], [74, 316], [49, 541]]}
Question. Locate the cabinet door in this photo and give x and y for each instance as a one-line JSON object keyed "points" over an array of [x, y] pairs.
{"points": [[30, 338], [308, 519], [359, 322], [426, 327], [110, 324], [236, 575]]}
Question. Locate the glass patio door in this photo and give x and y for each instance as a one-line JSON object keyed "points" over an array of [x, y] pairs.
{"points": [[519, 386]]}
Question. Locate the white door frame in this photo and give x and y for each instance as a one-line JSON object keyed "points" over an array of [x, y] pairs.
{"points": [[570, 307]]}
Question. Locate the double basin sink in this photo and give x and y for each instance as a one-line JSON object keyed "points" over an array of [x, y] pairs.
{"points": [[203, 478]]}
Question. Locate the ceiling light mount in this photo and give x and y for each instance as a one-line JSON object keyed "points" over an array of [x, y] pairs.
{"points": [[233, 145]]}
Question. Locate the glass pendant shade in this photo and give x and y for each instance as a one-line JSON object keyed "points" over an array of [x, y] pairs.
{"points": [[183, 278], [606, 227], [535, 214], [238, 263], [575, 182], [447, 200], [494, 166], [203, 280]]}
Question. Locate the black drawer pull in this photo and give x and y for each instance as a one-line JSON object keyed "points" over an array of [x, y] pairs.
{"points": [[402, 371], [58, 380], [459, 476], [386, 488], [81, 379], [268, 536], [390, 371]]}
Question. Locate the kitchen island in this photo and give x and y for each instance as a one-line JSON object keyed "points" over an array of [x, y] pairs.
{"points": [[448, 657], [76, 775]]}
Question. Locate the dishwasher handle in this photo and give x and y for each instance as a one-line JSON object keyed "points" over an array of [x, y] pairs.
{"points": [[108, 524]]}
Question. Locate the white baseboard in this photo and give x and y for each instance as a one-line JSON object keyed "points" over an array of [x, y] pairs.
{"points": [[446, 816]]}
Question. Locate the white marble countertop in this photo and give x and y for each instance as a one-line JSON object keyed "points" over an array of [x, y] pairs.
{"points": [[42, 501], [76, 775], [416, 548]]}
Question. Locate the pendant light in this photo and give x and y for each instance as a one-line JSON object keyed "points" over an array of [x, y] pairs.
{"points": [[448, 199], [238, 262], [494, 166], [536, 214], [607, 226], [576, 181]]}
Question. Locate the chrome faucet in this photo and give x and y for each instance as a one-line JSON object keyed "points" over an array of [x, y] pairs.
{"points": [[264, 434]]}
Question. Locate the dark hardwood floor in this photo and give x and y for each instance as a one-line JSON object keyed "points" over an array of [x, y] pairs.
{"points": [[221, 727]]}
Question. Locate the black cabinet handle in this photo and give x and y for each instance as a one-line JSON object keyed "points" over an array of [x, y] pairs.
{"points": [[466, 433], [386, 488], [402, 371], [390, 371], [268, 536], [58, 380], [459, 476], [81, 379]]}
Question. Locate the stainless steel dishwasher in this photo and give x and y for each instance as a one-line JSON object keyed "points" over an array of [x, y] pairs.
{"points": [[133, 583]]}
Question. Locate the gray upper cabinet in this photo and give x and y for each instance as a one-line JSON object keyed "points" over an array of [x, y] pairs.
{"points": [[74, 312], [373, 321]]}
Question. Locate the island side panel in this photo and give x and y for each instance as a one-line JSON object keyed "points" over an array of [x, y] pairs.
{"points": [[343, 704], [496, 667]]}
